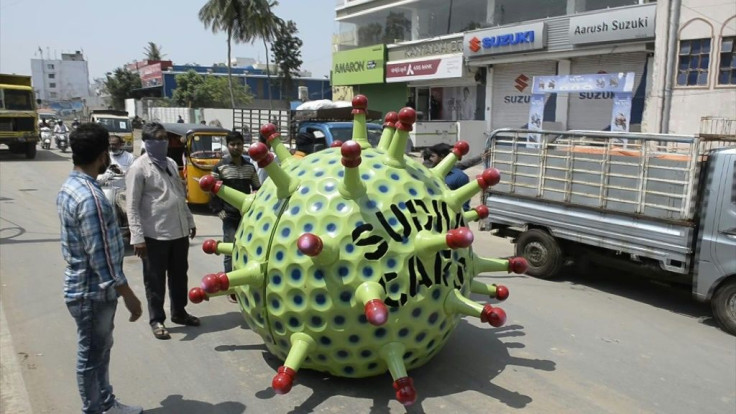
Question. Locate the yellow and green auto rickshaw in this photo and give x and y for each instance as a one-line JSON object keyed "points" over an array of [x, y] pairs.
{"points": [[196, 149]]}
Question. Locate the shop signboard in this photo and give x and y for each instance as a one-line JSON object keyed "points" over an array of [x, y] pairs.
{"points": [[633, 23], [358, 66], [426, 48], [512, 39], [438, 68]]}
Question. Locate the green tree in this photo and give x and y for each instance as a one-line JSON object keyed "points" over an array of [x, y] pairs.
{"points": [[242, 21], [287, 55], [153, 51], [120, 85], [196, 91]]}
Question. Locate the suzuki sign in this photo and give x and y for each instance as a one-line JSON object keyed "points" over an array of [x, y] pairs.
{"points": [[505, 40]]}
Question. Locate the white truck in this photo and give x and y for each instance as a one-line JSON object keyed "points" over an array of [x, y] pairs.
{"points": [[663, 206]]}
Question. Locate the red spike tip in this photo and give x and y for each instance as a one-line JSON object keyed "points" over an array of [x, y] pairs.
{"points": [[489, 177], [494, 316], [518, 265], [482, 211], [460, 149], [210, 246], [336, 143], [502, 292], [224, 281], [405, 392], [268, 130], [309, 244], [210, 283], [360, 103], [260, 154], [350, 154], [209, 184], [283, 381], [407, 117], [197, 295], [376, 312], [459, 238], [391, 119]]}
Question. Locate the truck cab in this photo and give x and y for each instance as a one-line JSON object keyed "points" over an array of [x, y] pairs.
{"points": [[18, 118], [116, 123]]}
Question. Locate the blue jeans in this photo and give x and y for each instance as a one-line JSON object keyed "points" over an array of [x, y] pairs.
{"points": [[229, 227], [95, 323]]}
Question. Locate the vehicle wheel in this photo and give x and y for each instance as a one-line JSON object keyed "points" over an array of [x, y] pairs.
{"points": [[724, 306], [541, 251], [31, 150]]}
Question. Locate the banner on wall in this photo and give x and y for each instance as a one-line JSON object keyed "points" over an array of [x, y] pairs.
{"points": [[621, 84]]}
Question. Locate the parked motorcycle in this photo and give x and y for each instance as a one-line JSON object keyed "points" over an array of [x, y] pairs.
{"points": [[46, 136], [62, 141]]}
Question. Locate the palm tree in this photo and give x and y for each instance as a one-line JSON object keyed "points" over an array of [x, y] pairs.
{"points": [[226, 16], [243, 21], [153, 51], [263, 23]]}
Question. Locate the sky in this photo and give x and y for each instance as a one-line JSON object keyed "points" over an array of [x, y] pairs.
{"points": [[113, 33]]}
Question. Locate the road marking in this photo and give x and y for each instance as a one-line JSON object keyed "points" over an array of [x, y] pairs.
{"points": [[13, 394]]}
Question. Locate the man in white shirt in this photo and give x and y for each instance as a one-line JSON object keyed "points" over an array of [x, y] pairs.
{"points": [[160, 222], [60, 128], [120, 160]]}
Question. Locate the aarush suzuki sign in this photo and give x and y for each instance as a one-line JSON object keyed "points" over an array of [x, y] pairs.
{"points": [[506, 40]]}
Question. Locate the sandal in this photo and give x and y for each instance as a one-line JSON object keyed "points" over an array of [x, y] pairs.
{"points": [[188, 320], [159, 331]]}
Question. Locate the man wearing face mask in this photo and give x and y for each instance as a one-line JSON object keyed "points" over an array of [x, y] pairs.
{"points": [[160, 222]]}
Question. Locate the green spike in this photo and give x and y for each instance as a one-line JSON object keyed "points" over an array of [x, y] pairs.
{"points": [[301, 346], [393, 354], [251, 274], [455, 303], [482, 288], [445, 165]]}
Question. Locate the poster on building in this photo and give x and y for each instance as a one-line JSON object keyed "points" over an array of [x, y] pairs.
{"points": [[536, 118], [621, 114], [599, 82]]}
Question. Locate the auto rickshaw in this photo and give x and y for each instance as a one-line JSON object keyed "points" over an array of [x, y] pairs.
{"points": [[196, 148]]}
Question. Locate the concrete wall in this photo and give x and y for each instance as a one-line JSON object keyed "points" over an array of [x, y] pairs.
{"points": [[699, 19]]}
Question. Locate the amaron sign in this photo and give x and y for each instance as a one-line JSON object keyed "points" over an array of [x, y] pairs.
{"points": [[358, 66], [505, 40]]}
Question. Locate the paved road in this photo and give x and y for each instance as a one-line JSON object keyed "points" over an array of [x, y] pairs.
{"points": [[595, 344]]}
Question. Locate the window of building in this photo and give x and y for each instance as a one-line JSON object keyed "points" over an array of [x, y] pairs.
{"points": [[515, 11], [52, 85], [50, 66], [727, 65], [693, 63], [52, 76], [52, 95], [606, 4]]}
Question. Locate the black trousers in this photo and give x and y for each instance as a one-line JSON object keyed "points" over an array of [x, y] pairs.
{"points": [[166, 258]]}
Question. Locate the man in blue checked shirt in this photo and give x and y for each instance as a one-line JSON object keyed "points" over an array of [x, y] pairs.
{"points": [[93, 249]]}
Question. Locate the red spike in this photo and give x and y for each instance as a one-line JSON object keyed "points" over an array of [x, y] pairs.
{"points": [[459, 238], [283, 381], [376, 312], [461, 149], [210, 246], [391, 119], [350, 154], [310, 244], [360, 103], [494, 316], [405, 392], [489, 177], [502, 292], [407, 117], [209, 184], [482, 211], [224, 281], [197, 295], [210, 283], [268, 130], [336, 143], [259, 153], [518, 265]]}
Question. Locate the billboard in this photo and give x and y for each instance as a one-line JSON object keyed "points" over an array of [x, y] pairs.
{"points": [[359, 66]]}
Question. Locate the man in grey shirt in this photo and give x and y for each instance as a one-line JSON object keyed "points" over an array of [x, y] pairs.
{"points": [[160, 223]]}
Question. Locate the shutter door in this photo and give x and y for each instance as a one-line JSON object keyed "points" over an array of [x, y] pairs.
{"points": [[512, 91], [592, 110]]}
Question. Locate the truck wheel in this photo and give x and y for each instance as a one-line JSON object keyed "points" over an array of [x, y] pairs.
{"points": [[724, 306], [31, 150], [542, 252]]}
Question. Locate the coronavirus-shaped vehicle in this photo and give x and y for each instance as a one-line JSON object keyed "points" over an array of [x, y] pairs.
{"points": [[355, 260]]}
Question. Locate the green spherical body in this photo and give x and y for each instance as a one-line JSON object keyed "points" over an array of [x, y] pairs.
{"points": [[375, 237]]}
